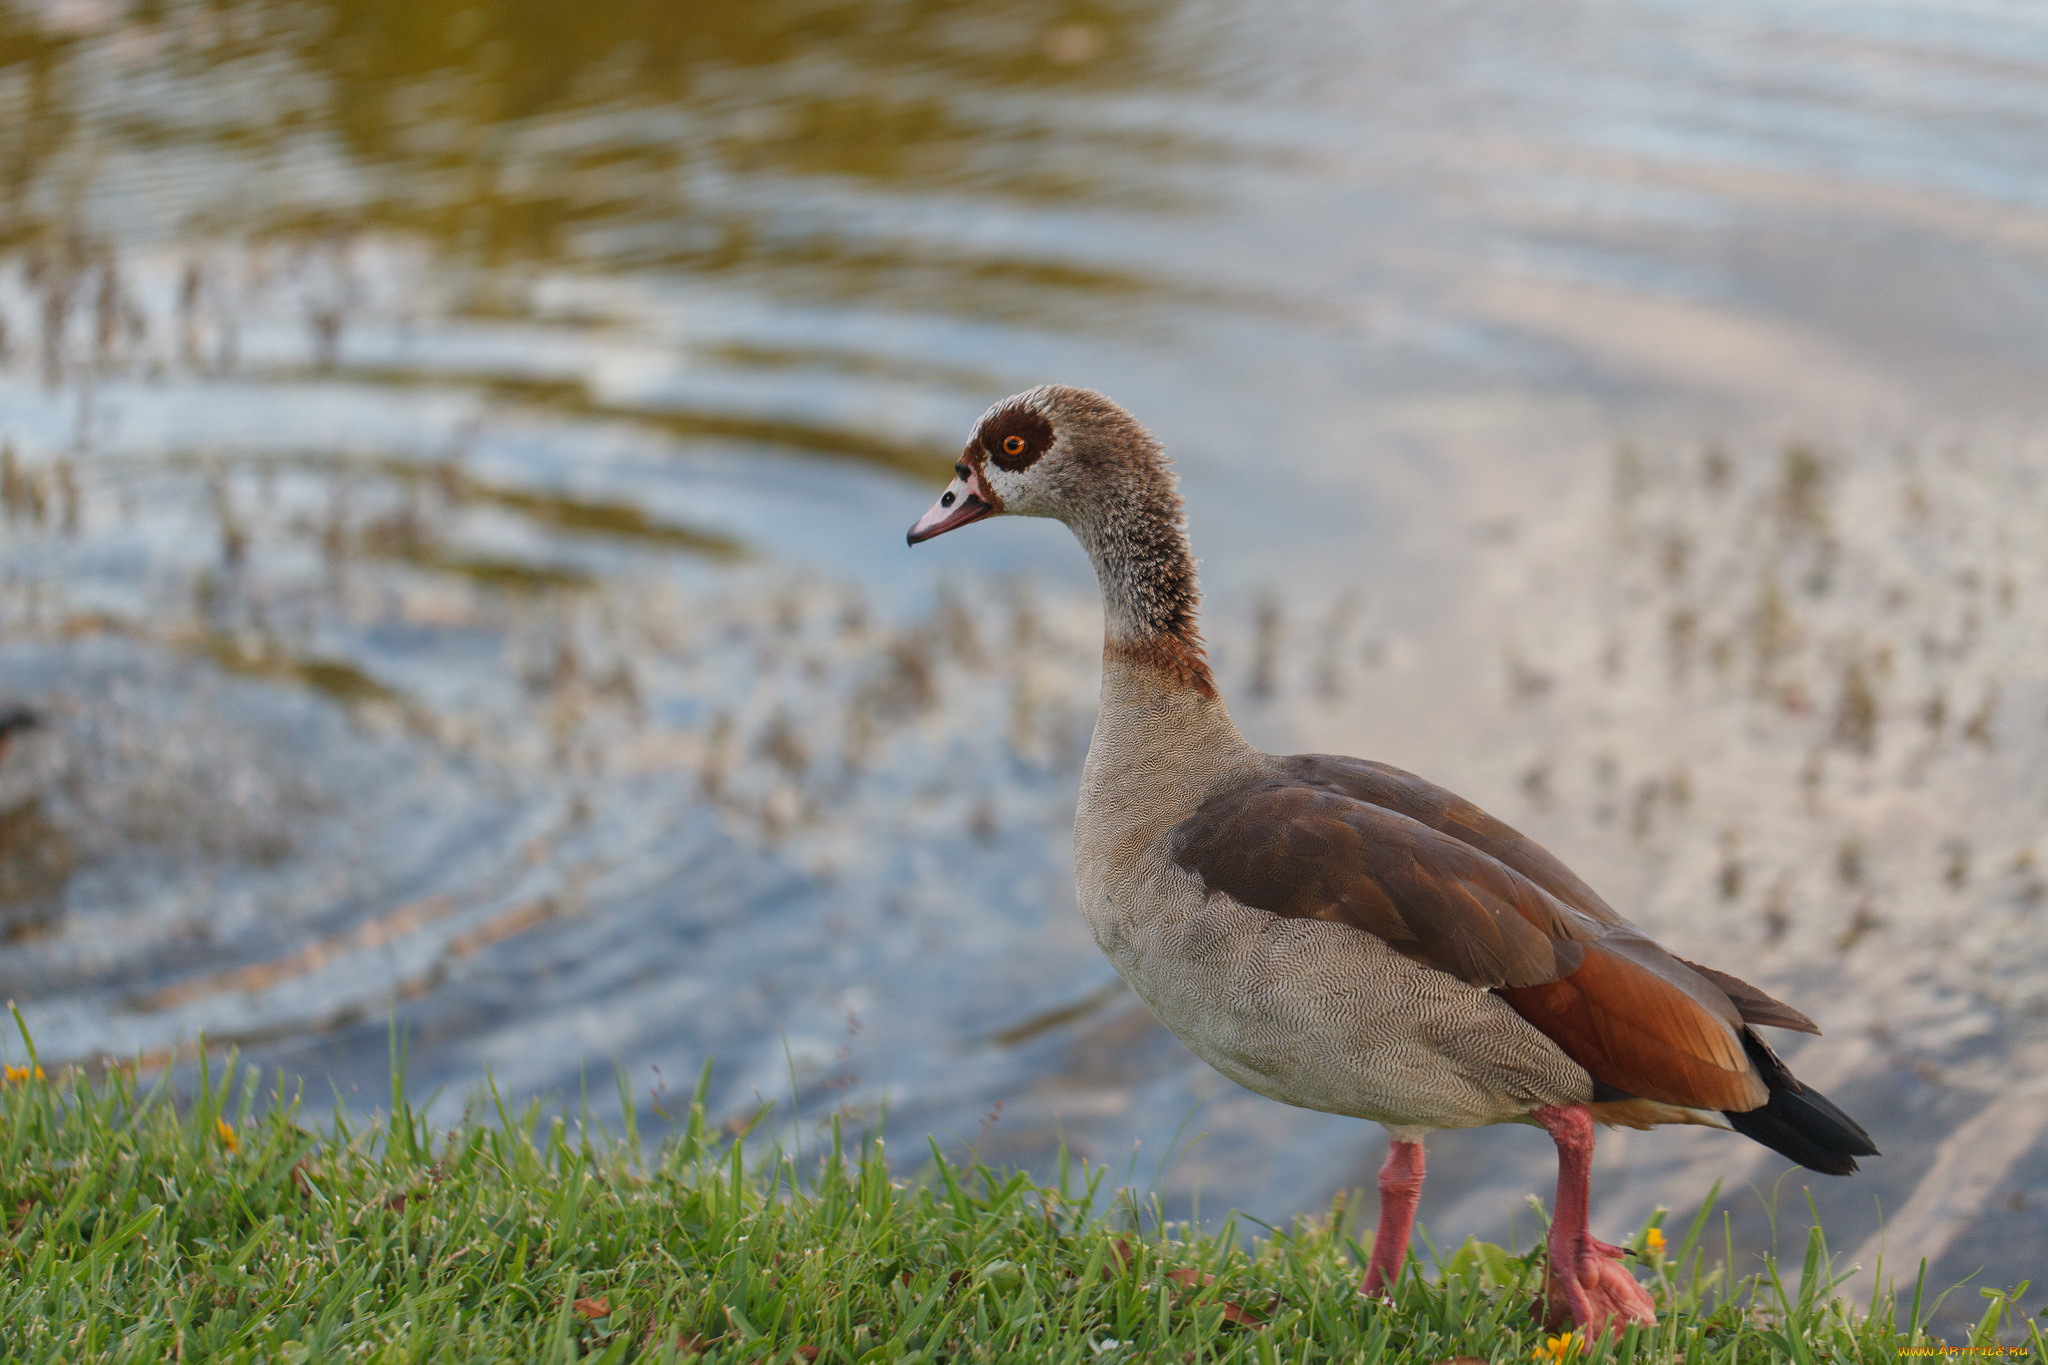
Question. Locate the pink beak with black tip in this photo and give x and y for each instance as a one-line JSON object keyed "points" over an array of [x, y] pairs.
{"points": [[965, 499]]}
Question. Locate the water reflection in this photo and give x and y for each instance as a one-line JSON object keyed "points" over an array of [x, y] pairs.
{"points": [[455, 460], [511, 134]]}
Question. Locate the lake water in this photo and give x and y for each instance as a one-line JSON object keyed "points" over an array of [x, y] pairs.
{"points": [[457, 457]]}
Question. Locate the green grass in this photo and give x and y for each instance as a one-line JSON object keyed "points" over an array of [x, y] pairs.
{"points": [[143, 1226]]}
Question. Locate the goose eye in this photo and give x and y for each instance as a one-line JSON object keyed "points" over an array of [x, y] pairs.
{"points": [[1013, 445]]}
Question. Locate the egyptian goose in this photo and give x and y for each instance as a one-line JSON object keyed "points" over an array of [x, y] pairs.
{"points": [[1344, 936]]}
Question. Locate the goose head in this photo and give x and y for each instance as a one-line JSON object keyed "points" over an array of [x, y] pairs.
{"points": [[1077, 457], [1052, 451]]}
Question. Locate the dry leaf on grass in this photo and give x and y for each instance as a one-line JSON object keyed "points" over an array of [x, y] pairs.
{"points": [[1125, 1254]]}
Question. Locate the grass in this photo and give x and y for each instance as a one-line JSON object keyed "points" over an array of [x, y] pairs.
{"points": [[140, 1225]]}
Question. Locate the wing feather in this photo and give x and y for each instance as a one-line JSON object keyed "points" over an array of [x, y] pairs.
{"points": [[1639, 1020]]}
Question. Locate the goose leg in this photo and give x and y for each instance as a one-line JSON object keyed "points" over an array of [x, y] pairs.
{"points": [[1400, 1191], [1586, 1282]]}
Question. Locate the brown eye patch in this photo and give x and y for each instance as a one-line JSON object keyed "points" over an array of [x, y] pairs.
{"points": [[1014, 437]]}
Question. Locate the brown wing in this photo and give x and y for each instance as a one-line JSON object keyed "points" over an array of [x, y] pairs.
{"points": [[1379, 784], [1755, 1006], [1641, 1022]]}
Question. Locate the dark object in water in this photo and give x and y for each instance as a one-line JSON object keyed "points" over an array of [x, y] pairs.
{"points": [[13, 720], [35, 857]]}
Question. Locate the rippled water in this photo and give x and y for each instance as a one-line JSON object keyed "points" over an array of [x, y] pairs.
{"points": [[456, 461]]}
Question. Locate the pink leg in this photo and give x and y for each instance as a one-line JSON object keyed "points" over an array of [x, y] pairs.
{"points": [[1400, 1192], [1584, 1283]]}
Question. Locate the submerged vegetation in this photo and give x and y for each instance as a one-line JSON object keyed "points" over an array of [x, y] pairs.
{"points": [[144, 1225]]}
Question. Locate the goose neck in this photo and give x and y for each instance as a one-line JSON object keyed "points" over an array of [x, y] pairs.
{"points": [[1150, 592]]}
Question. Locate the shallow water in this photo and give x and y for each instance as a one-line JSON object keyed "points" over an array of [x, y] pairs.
{"points": [[458, 458]]}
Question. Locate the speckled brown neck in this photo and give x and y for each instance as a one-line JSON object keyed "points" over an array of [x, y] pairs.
{"points": [[1138, 543]]}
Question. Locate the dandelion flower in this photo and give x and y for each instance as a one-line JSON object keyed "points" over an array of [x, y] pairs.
{"points": [[1653, 1241], [1558, 1349], [227, 1135], [25, 1073]]}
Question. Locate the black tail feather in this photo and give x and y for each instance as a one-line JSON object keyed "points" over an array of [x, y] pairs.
{"points": [[1797, 1122]]}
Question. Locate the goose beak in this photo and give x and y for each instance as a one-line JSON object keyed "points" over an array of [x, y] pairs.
{"points": [[965, 499]]}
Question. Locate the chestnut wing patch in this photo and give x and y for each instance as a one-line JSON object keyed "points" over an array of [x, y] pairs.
{"points": [[1640, 1021], [1640, 1032]]}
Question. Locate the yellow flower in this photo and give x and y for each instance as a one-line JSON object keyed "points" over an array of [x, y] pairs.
{"points": [[227, 1135], [1558, 1349], [23, 1073], [1653, 1241]]}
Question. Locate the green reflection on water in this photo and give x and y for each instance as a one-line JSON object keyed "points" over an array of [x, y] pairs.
{"points": [[526, 130], [337, 678], [572, 398]]}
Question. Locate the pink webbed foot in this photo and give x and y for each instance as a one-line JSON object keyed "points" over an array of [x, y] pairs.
{"points": [[1588, 1288], [1586, 1285]]}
